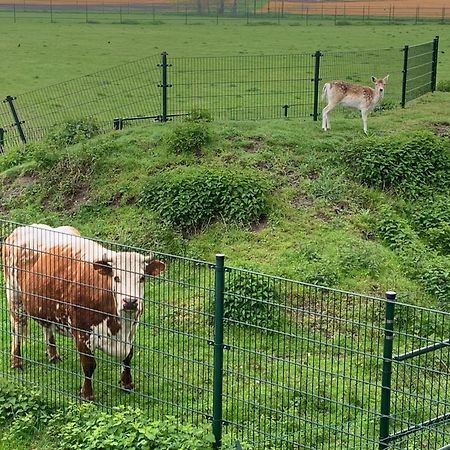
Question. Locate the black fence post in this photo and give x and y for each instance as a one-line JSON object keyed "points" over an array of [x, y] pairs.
{"points": [[2, 139], [218, 350], [118, 123], [316, 80], [164, 86], [387, 370], [18, 123], [434, 63], [405, 75]]}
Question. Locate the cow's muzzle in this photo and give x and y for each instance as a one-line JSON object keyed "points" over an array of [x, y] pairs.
{"points": [[130, 304]]}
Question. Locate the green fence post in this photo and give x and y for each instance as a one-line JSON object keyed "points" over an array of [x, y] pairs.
{"points": [[387, 370], [164, 86], [218, 350], [316, 80], [434, 63], [17, 122], [405, 75]]}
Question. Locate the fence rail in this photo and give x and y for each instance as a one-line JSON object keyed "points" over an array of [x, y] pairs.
{"points": [[269, 361], [230, 87]]}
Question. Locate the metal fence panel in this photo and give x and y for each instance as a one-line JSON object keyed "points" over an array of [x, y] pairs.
{"points": [[302, 365], [243, 87], [420, 70], [128, 89]]}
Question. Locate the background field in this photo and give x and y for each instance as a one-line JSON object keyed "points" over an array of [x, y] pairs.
{"points": [[35, 55]]}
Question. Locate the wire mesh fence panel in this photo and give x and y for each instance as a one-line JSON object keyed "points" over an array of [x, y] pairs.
{"points": [[243, 87], [130, 317], [359, 67], [303, 369], [10, 133], [129, 89], [420, 70], [421, 379]]}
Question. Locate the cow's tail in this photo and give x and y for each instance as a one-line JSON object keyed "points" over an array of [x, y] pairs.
{"points": [[325, 91]]}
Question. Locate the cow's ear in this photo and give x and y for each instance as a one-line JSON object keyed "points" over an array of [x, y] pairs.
{"points": [[374, 79], [154, 267], [103, 267]]}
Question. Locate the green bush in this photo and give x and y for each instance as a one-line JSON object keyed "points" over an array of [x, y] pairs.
{"points": [[251, 300], [72, 132], [431, 218], [394, 230], [188, 136], [443, 86], [89, 428], [410, 164], [17, 155], [436, 281], [192, 197], [199, 115]]}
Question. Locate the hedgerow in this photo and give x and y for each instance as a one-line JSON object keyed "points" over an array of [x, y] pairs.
{"points": [[410, 164]]}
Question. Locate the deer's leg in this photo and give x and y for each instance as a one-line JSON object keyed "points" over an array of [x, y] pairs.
{"points": [[52, 353], [364, 114], [325, 119]]}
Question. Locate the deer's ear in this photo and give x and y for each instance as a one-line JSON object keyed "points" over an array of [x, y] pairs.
{"points": [[374, 79], [386, 78]]}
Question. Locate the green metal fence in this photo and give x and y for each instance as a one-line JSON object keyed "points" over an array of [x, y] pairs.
{"points": [[231, 87], [268, 361]]}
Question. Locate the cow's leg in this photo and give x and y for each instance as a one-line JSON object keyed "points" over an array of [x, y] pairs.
{"points": [[88, 365], [18, 323], [19, 326], [52, 353], [126, 380]]}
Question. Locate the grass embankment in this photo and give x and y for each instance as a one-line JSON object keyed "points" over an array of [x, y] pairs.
{"points": [[316, 205], [326, 220]]}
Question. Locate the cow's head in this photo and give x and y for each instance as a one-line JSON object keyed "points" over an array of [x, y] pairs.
{"points": [[127, 271]]}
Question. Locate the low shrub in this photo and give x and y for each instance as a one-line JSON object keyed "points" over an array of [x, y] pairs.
{"points": [[431, 218], [436, 280], [72, 131], [192, 197], [251, 300], [89, 428], [188, 136], [410, 164], [394, 230]]}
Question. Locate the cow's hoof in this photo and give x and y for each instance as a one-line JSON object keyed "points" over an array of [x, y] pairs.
{"points": [[127, 387], [55, 359], [87, 397]]}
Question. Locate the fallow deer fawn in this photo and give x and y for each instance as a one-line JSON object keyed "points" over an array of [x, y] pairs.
{"points": [[352, 95]]}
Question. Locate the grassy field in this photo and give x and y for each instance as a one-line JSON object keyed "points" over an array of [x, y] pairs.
{"points": [[323, 226], [38, 54]]}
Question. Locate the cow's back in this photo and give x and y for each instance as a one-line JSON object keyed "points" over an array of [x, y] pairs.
{"points": [[53, 271]]}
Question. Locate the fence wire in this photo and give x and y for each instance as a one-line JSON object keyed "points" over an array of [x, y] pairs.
{"points": [[302, 364]]}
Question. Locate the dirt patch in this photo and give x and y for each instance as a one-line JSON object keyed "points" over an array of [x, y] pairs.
{"points": [[255, 144], [386, 8], [259, 225], [442, 129], [302, 200]]}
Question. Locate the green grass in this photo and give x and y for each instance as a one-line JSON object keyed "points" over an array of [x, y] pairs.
{"points": [[35, 55], [320, 228]]}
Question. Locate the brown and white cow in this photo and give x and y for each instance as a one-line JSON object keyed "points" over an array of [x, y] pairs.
{"points": [[71, 284]]}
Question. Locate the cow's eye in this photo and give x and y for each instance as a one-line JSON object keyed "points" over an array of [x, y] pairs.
{"points": [[142, 279], [116, 279]]}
